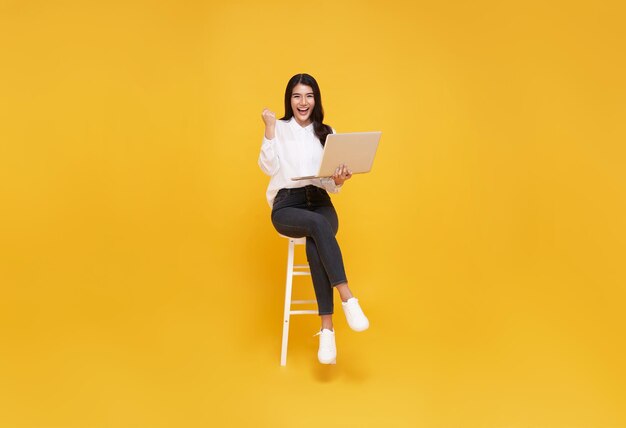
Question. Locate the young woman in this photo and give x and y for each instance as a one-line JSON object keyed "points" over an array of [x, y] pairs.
{"points": [[292, 147]]}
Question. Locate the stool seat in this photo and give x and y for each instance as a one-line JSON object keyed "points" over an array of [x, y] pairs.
{"points": [[297, 241], [293, 270]]}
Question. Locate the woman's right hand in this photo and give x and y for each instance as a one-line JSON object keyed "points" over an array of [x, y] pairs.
{"points": [[269, 118]]}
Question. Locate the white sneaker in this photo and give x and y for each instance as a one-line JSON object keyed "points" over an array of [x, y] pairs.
{"points": [[327, 353], [354, 315]]}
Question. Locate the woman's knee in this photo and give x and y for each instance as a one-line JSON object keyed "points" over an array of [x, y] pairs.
{"points": [[330, 215], [320, 226]]}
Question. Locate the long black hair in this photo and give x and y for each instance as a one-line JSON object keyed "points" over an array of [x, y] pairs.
{"points": [[317, 115]]}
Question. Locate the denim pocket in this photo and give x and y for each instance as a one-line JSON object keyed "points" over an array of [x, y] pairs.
{"points": [[281, 195]]}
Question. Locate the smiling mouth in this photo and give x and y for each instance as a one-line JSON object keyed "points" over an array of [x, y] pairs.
{"points": [[303, 111]]}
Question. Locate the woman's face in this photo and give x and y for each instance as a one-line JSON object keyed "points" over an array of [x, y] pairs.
{"points": [[302, 103]]}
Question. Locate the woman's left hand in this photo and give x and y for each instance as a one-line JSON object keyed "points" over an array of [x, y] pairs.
{"points": [[342, 173]]}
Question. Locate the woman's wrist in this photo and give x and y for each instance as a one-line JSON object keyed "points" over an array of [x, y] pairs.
{"points": [[270, 132]]}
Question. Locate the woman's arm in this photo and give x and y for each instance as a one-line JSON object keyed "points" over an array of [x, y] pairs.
{"points": [[333, 184], [329, 184], [268, 160], [269, 118]]}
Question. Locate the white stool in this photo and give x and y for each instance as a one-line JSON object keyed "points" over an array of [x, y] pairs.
{"points": [[293, 270]]}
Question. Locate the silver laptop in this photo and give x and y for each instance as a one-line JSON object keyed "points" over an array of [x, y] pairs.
{"points": [[354, 149]]}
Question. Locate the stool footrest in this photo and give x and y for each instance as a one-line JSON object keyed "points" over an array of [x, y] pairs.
{"points": [[301, 273], [309, 312], [302, 302]]}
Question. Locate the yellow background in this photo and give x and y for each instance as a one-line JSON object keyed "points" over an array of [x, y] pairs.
{"points": [[142, 281]]}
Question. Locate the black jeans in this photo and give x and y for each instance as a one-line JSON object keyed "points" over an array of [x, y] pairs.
{"points": [[308, 211]]}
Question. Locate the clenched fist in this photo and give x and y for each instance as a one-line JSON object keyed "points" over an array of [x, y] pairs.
{"points": [[269, 118]]}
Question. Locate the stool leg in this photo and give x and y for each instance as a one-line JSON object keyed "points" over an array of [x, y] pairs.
{"points": [[287, 310]]}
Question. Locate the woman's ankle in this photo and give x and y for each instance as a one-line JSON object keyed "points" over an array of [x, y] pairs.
{"points": [[327, 322], [344, 292]]}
